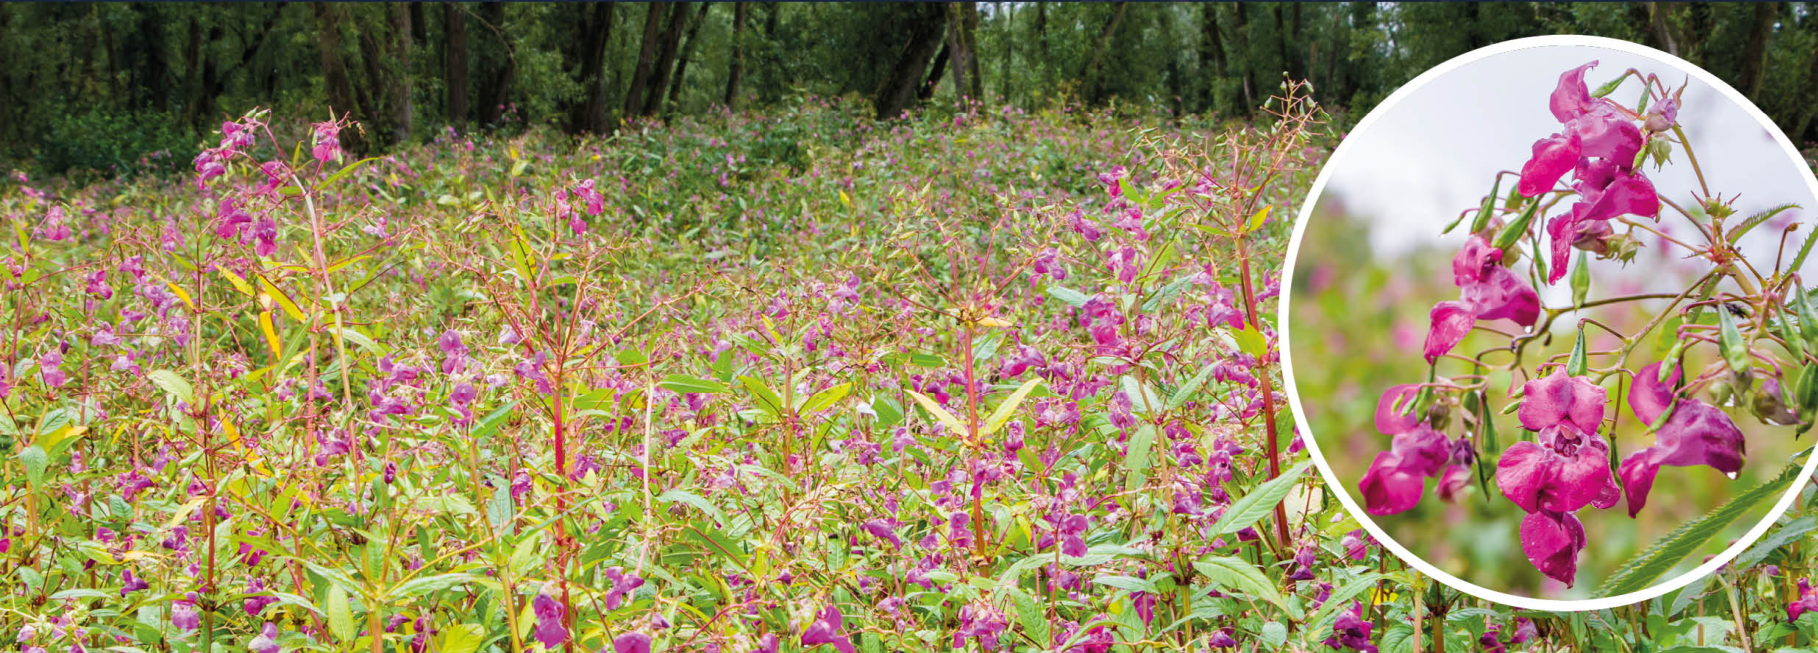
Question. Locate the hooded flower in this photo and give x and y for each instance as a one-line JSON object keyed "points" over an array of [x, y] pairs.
{"points": [[1351, 631], [550, 630], [1489, 292], [1396, 479], [826, 630], [1695, 433], [1569, 467], [1807, 601]]}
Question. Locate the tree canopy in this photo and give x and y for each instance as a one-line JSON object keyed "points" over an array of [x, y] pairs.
{"points": [[123, 87]]}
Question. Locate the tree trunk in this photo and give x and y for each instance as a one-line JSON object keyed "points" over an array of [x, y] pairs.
{"points": [[1008, 17], [1094, 87], [681, 64], [1657, 27], [454, 63], [735, 64], [900, 87], [334, 67], [962, 18], [588, 114], [1810, 108], [1041, 44], [1211, 56], [1754, 56], [672, 39], [935, 73], [400, 84], [640, 75], [1240, 36], [419, 25], [496, 89]]}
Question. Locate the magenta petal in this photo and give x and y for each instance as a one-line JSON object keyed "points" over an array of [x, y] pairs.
{"points": [[1637, 471], [1387, 488], [1629, 194], [1552, 157], [1604, 133], [1455, 479], [1552, 542], [1696, 433], [1558, 398], [1571, 98], [1474, 261], [1391, 421], [1562, 229], [1523, 471], [1582, 476], [1451, 321], [1502, 294], [1648, 396], [1423, 451]]}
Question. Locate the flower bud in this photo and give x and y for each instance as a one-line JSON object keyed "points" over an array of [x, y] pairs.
{"points": [[1663, 116]]}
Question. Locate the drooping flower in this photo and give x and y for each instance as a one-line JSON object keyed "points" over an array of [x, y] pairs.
{"points": [[1695, 433], [1489, 291], [183, 615], [1569, 467], [826, 630], [1807, 601], [1396, 479], [982, 622], [623, 585], [327, 141], [267, 641], [1351, 631], [632, 642], [550, 629]]}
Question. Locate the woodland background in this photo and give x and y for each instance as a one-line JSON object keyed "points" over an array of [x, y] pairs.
{"points": [[89, 89]]}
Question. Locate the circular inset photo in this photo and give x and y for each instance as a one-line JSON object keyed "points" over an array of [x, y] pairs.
{"points": [[1551, 324]]}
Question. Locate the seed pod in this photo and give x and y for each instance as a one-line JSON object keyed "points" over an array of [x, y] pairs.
{"points": [[1805, 394], [1808, 324], [1489, 202], [1721, 392], [1581, 280], [1735, 349], [1513, 233], [1575, 365]]}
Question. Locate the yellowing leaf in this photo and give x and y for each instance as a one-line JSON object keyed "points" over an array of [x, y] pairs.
{"points": [[271, 335], [283, 299], [940, 414], [845, 200], [1256, 220], [239, 283]]}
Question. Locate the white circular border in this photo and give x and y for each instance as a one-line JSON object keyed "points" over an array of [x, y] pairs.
{"points": [[1325, 470]]}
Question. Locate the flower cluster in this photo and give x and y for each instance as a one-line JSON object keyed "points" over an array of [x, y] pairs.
{"points": [[1566, 461]]}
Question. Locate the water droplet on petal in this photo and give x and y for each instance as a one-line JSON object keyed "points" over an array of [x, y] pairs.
{"points": [[1732, 475]]}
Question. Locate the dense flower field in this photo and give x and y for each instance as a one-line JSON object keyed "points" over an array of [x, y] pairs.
{"points": [[780, 382]]}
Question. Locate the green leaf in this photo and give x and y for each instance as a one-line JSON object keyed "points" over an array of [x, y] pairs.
{"points": [[825, 399], [1808, 322], [1787, 533], [1143, 399], [1249, 341], [689, 385], [692, 499], [1274, 634], [1127, 583], [429, 584], [35, 462], [1072, 297], [1255, 504], [767, 400], [340, 614], [499, 509], [1341, 597], [1002, 414], [173, 385], [1755, 220], [460, 638], [343, 172], [1804, 250], [1239, 575], [1641, 571], [1136, 462], [1185, 392]]}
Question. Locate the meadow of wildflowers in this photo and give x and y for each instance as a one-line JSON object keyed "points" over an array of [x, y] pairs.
{"points": [[782, 381]]}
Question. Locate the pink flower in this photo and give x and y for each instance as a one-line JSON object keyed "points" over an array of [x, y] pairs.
{"points": [[633, 642], [826, 630], [1806, 602], [550, 629], [1489, 292], [1396, 479], [1696, 433], [328, 141]]}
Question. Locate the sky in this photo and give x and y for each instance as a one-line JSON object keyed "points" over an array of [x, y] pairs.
{"points": [[1436, 151]]}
